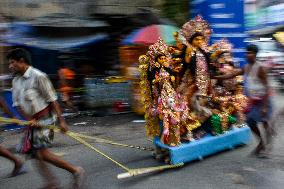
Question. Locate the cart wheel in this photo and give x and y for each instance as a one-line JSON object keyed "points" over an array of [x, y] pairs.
{"points": [[167, 160], [160, 157]]}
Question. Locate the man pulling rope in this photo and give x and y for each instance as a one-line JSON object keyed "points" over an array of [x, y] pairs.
{"points": [[78, 137], [35, 99]]}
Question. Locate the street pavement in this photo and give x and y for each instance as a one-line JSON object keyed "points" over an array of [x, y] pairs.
{"points": [[233, 169]]}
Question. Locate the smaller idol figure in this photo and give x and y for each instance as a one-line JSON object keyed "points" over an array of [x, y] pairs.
{"points": [[167, 102], [228, 93]]}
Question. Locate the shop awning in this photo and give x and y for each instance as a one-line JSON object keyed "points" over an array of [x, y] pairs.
{"points": [[20, 39]]}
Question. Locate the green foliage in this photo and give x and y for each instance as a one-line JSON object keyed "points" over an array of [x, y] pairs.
{"points": [[176, 10]]}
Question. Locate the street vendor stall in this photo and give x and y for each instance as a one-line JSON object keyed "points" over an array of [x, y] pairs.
{"points": [[129, 68]]}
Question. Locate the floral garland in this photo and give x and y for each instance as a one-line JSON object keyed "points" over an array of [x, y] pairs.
{"points": [[152, 121]]}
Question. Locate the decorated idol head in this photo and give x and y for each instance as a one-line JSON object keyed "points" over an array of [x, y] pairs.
{"points": [[222, 52], [159, 54], [196, 32]]}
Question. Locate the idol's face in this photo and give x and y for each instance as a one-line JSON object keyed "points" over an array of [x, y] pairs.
{"points": [[198, 41], [225, 58], [163, 61]]}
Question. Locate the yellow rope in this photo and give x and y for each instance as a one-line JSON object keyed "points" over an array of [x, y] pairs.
{"points": [[73, 135], [76, 136], [69, 133], [101, 140], [134, 172]]}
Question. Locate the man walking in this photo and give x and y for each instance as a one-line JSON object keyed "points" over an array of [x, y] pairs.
{"points": [[258, 91], [35, 98], [66, 80], [256, 87]]}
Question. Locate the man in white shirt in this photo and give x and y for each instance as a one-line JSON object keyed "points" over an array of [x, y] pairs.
{"points": [[35, 98], [257, 89]]}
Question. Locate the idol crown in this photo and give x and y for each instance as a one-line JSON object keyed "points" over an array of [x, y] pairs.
{"points": [[196, 25]]}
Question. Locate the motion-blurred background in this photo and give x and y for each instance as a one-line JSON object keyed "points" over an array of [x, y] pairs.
{"points": [[101, 40]]}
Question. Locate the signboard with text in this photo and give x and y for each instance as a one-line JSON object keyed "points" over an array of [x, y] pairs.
{"points": [[264, 17], [226, 18]]}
